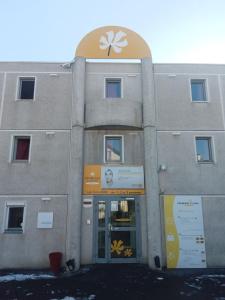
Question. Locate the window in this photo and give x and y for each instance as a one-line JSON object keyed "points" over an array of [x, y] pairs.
{"points": [[113, 88], [21, 148], [198, 90], [14, 218], [26, 88], [113, 149], [204, 149]]}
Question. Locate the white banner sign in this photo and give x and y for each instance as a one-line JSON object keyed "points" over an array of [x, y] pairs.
{"points": [[122, 177], [45, 220], [185, 238]]}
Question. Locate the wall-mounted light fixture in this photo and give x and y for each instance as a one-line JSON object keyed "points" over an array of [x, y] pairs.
{"points": [[162, 167], [176, 133], [172, 75], [46, 198], [54, 75], [50, 133]]}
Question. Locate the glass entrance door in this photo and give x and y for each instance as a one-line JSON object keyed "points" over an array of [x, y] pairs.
{"points": [[116, 229]]}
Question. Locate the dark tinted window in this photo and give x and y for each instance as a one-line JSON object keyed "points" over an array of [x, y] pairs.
{"points": [[26, 88], [21, 148], [15, 218]]}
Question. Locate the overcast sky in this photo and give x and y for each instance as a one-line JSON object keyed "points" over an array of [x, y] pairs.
{"points": [[50, 30]]}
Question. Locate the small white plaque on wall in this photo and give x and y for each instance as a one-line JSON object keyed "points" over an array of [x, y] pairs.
{"points": [[45, 220], [87, 202]]}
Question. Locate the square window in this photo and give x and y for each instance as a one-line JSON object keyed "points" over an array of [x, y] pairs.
{"points": [[198, 90], [204, 149], [21, 148], [113, 88], [26, 88], [15, 216], [113, 149]]}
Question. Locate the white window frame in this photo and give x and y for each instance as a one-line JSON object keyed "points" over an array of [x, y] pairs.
{"points": [[121, 85], [12, 147], [6, 217], [18, 88], [212, 145], [205, 80], [122, 154]]}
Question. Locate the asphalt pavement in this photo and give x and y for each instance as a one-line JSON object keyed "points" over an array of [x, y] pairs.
{"points": [[115, 281]]}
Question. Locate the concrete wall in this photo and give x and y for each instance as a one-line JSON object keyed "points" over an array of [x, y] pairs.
{"points": [[31, 249], [47, 171], [175, 110], [214, 224], [94, 146], [176, 113], [105, 111], [45, 175], [87, 232], [2, 84], [114, 112], [31, 66], [144, 230], [184, 175], [50, 108]]}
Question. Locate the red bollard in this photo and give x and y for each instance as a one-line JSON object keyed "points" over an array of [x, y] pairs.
{"points": [[55, 261]]}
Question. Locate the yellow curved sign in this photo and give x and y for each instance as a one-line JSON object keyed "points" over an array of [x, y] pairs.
{"points": [[172, 240], [184, 229], [113, 42]]}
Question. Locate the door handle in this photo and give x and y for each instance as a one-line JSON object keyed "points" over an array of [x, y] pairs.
{"points": [[109, 227]]}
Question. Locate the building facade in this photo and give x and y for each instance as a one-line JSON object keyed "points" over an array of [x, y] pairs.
{"points": [[112, 161]]}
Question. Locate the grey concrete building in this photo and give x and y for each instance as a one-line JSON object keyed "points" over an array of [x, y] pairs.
{"points": [[112, 161]]}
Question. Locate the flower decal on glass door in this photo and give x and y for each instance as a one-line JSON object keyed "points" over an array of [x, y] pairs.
{"points": [[128, 252], [117, 246], [115, 41]]}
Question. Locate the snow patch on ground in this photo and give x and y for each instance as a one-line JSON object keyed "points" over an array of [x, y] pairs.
{"points": [[91, 297], [66, 298], [193, 286], [70, 298], [197, 284], [22, 277], [212, 276]]}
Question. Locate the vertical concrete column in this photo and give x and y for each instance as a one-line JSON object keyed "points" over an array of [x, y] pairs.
{"points": [[76, 162], [151, 165]]}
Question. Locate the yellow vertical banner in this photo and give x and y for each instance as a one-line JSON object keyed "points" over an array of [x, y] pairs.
{"points": [[171, 235], [184, 231], [92, 179]]}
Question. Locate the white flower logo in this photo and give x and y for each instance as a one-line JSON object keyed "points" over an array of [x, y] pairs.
{"points": [[113, 41]]}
